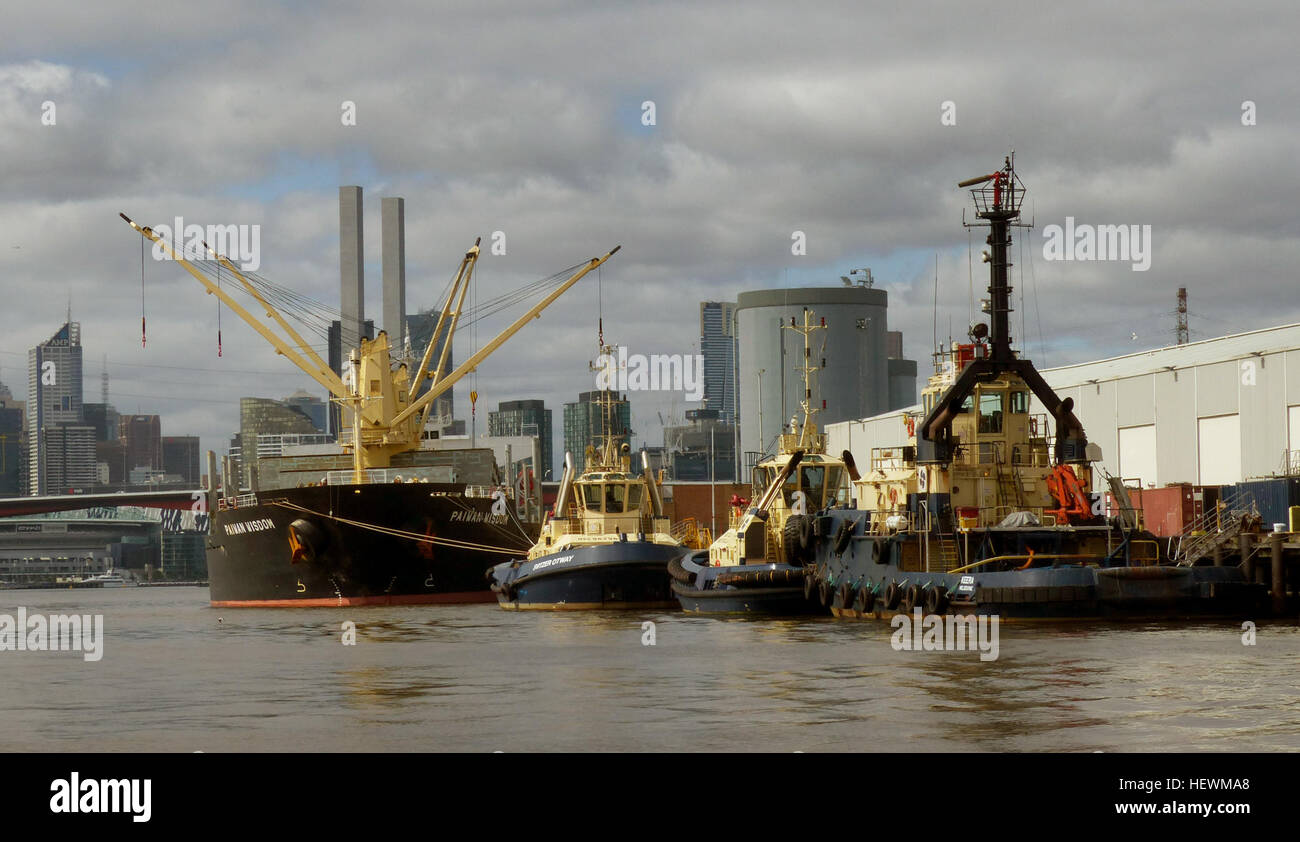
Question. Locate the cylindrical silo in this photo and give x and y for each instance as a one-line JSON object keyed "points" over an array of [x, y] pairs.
{"points": [[856, 381]]}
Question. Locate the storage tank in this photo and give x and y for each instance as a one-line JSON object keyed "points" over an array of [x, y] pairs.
{"points": [[857, 382]]}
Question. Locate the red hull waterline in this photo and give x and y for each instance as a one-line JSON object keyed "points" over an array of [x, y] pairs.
{"points": [[468, 597]]}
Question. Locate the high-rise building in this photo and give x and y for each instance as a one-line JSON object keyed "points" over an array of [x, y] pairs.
{"points": [[67, 458], [104, 418], [526, 418], [141, 435], [584, 423], [419, 327], [311, 406], [263, 416], [718, 348], [54, 400], [11, 444], [180, 456]]}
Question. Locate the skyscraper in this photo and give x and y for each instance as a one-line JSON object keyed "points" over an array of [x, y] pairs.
{"points": [[718, 347], [584, 423], [11, 444], [141, 435], [60, 446], [526, 418]]}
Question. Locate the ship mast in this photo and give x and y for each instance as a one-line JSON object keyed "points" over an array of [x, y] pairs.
{"points": [[998, 197], [807, 434]]}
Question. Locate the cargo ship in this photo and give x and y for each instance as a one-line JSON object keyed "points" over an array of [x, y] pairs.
{"points": [[991, 510], [388, 518]]}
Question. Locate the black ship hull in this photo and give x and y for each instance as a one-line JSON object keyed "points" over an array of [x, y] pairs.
{"points": [[623, 574], [370, 544], [875, 576]]}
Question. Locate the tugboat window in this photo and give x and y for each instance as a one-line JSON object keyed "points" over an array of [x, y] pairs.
{"points": [[633, 498], [614, 498], [1020, 403], [814, 482], [591, 497], [991, 409]]}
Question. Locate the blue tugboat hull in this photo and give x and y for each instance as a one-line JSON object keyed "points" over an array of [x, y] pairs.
{"points": [[621, 575], [760, 589]]}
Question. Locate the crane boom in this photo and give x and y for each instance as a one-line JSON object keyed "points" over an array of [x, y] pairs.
{"points": [[322, 374], [470, 364]]}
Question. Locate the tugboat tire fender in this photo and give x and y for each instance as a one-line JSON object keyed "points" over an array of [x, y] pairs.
{"points": [[678, 572], [842, 536], [892, 596]]}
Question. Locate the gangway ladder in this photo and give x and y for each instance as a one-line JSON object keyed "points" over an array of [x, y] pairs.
{"points": [[1217, 527]]}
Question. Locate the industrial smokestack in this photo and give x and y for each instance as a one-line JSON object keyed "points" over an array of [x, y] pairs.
{"points": [[351, 268], [393, 234]]}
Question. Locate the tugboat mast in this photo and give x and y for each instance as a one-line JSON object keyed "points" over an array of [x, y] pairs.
{"points": [[807, 434]]}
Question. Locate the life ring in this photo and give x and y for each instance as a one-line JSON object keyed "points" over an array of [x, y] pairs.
{"points": [[893, 495], [1033, 426], [911, 425]]}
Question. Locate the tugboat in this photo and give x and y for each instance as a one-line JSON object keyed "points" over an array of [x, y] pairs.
{"points": [[606, 544], [760, 564], [986, 511]]}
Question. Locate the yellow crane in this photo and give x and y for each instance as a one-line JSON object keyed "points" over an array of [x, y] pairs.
{"points": [[387, 417]]}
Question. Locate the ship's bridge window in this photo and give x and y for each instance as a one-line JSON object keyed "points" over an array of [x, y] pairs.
{"points": [[836, 489], [968, 404], [992, 405], [591, 497], [814, 484], [633, 497], [614, 494], [1019, 403]]}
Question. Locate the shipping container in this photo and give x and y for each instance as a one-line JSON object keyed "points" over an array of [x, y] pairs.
{"points": [[1273, 497], [1165, 511]]}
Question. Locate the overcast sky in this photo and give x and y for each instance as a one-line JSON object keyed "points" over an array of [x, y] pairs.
{"points": [[528, 118]]}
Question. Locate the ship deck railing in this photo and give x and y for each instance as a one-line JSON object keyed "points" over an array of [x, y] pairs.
{"points": [[239, 501], [371, 476]]}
